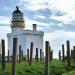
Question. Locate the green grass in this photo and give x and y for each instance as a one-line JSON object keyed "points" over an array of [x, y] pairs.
{"points": [[70, 73], [23, 68], [56, 67]]}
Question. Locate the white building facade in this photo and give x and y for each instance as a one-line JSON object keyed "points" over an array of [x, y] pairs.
{"points": [[25, 37]]}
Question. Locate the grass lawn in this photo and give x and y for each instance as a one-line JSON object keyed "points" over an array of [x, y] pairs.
{"points": [[56, 67]]}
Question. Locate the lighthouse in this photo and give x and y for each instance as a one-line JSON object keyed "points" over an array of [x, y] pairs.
{"points": [[25, 37], [17, 23]]}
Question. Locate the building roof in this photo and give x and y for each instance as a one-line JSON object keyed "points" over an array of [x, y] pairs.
{"points": [[27, 32]]}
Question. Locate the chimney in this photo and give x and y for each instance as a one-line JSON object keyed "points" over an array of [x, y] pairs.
{"points": [[34, 27]]}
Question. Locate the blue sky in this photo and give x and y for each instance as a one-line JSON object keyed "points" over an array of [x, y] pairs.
{"points": [[55, 17]]}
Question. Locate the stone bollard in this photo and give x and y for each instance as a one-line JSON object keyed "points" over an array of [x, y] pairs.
{"points": [[8, 57], [40, 54], [31, 53], [14, 57], [68, 52], [46, 57], [22, 57], [51, 54], [74, 53], [43, 58], [28, 54], [19, 53], [37, 54], [63, 55], [3, 54], [59, 54]]}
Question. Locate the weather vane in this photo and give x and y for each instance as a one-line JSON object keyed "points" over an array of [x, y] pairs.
{"points": [[17, 7]]}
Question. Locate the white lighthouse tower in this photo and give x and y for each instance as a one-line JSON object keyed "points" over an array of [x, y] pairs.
{"points": [[25, 37]]}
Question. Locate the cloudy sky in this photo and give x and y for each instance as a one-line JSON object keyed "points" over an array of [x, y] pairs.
{"points": [[55, 17]]}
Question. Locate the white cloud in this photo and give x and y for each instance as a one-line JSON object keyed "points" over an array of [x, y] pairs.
{"points": [[35, 5], [67, 6], [59, 35], [4, 20], [29, 23], [63, 5], [40, 16], [65, 19]]}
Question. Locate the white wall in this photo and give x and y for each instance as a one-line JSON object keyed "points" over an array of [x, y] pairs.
{"points": [[37, 40]]}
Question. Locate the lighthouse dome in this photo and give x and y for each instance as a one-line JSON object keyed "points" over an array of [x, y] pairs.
{"points": [[17, 11], [17, 15]]}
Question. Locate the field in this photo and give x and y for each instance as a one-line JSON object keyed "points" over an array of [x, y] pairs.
{"points": [[56, 67]]}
